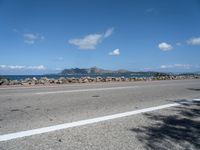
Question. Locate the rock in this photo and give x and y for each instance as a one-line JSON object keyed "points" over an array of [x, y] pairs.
{"points": [[27, 80], [126, 79], [14, 82], [41, 81], [70, 80], [98, 79], [85, 80], [149, 79], [123, 78], [51, 81], [73, 80], [90, 79], [4, 82], [45, 79], [58, 81], [118, 79], [34, 78], [25, 83], [32, 83], [63, 80], [108, 79], [103, 80]]}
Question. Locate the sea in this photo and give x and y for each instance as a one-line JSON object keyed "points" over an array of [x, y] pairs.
{"points": [[56, 76]]}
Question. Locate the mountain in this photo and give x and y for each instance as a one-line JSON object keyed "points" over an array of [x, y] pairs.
{"points": [[99, 71], [93, 70]]}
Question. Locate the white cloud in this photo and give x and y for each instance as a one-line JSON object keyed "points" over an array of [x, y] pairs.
{"points": [[88, 42], [40, 67], [178, 43], [2, 66], [147, 68], [108, 32], [16, 67], [19, 67], [31, 38], [194, 41], [165, 46], [115, 52], [184, 66], [15, 30], [58, 69], [91, 41], [60, 58], [172, 66], [150, 10]]}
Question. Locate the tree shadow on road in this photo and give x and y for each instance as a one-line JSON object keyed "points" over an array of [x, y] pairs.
{"points": [[194, 89], [179, 131]]}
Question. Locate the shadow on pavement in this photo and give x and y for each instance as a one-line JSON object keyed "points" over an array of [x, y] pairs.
{"points": [[194, 89], [178, 131]]}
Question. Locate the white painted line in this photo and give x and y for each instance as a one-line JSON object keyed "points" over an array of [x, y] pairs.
{"points": [[88, 90], [21, 134], [196, 100]]}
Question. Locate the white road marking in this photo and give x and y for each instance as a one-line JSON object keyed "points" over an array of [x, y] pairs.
{"points": [[88, 90], [21, 134], [196, 100]]}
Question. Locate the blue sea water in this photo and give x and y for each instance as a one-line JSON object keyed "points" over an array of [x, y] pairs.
{"points": [[22, 77]]}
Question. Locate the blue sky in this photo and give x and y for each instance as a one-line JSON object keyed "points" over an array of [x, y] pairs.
{"points": [[38, 37]]}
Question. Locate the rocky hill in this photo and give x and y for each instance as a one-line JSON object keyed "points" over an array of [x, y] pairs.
{"points": [[93, 70]]}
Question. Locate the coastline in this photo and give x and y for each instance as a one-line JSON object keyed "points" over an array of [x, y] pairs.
{"points": [[44, 81]]}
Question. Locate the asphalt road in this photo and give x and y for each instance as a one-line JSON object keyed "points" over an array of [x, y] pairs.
{"points": [[178, 127]]}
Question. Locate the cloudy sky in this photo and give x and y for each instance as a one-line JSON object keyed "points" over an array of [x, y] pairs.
{"points": [[38, 37]]}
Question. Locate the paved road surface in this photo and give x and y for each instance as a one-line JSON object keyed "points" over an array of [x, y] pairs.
{"points": [[175, 127]]}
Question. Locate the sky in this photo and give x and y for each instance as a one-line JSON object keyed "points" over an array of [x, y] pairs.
{"points": [[39, 37]]}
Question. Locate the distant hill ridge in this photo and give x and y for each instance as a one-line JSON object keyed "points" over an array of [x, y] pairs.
{"points": [[92, 70], [96, 71]]}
